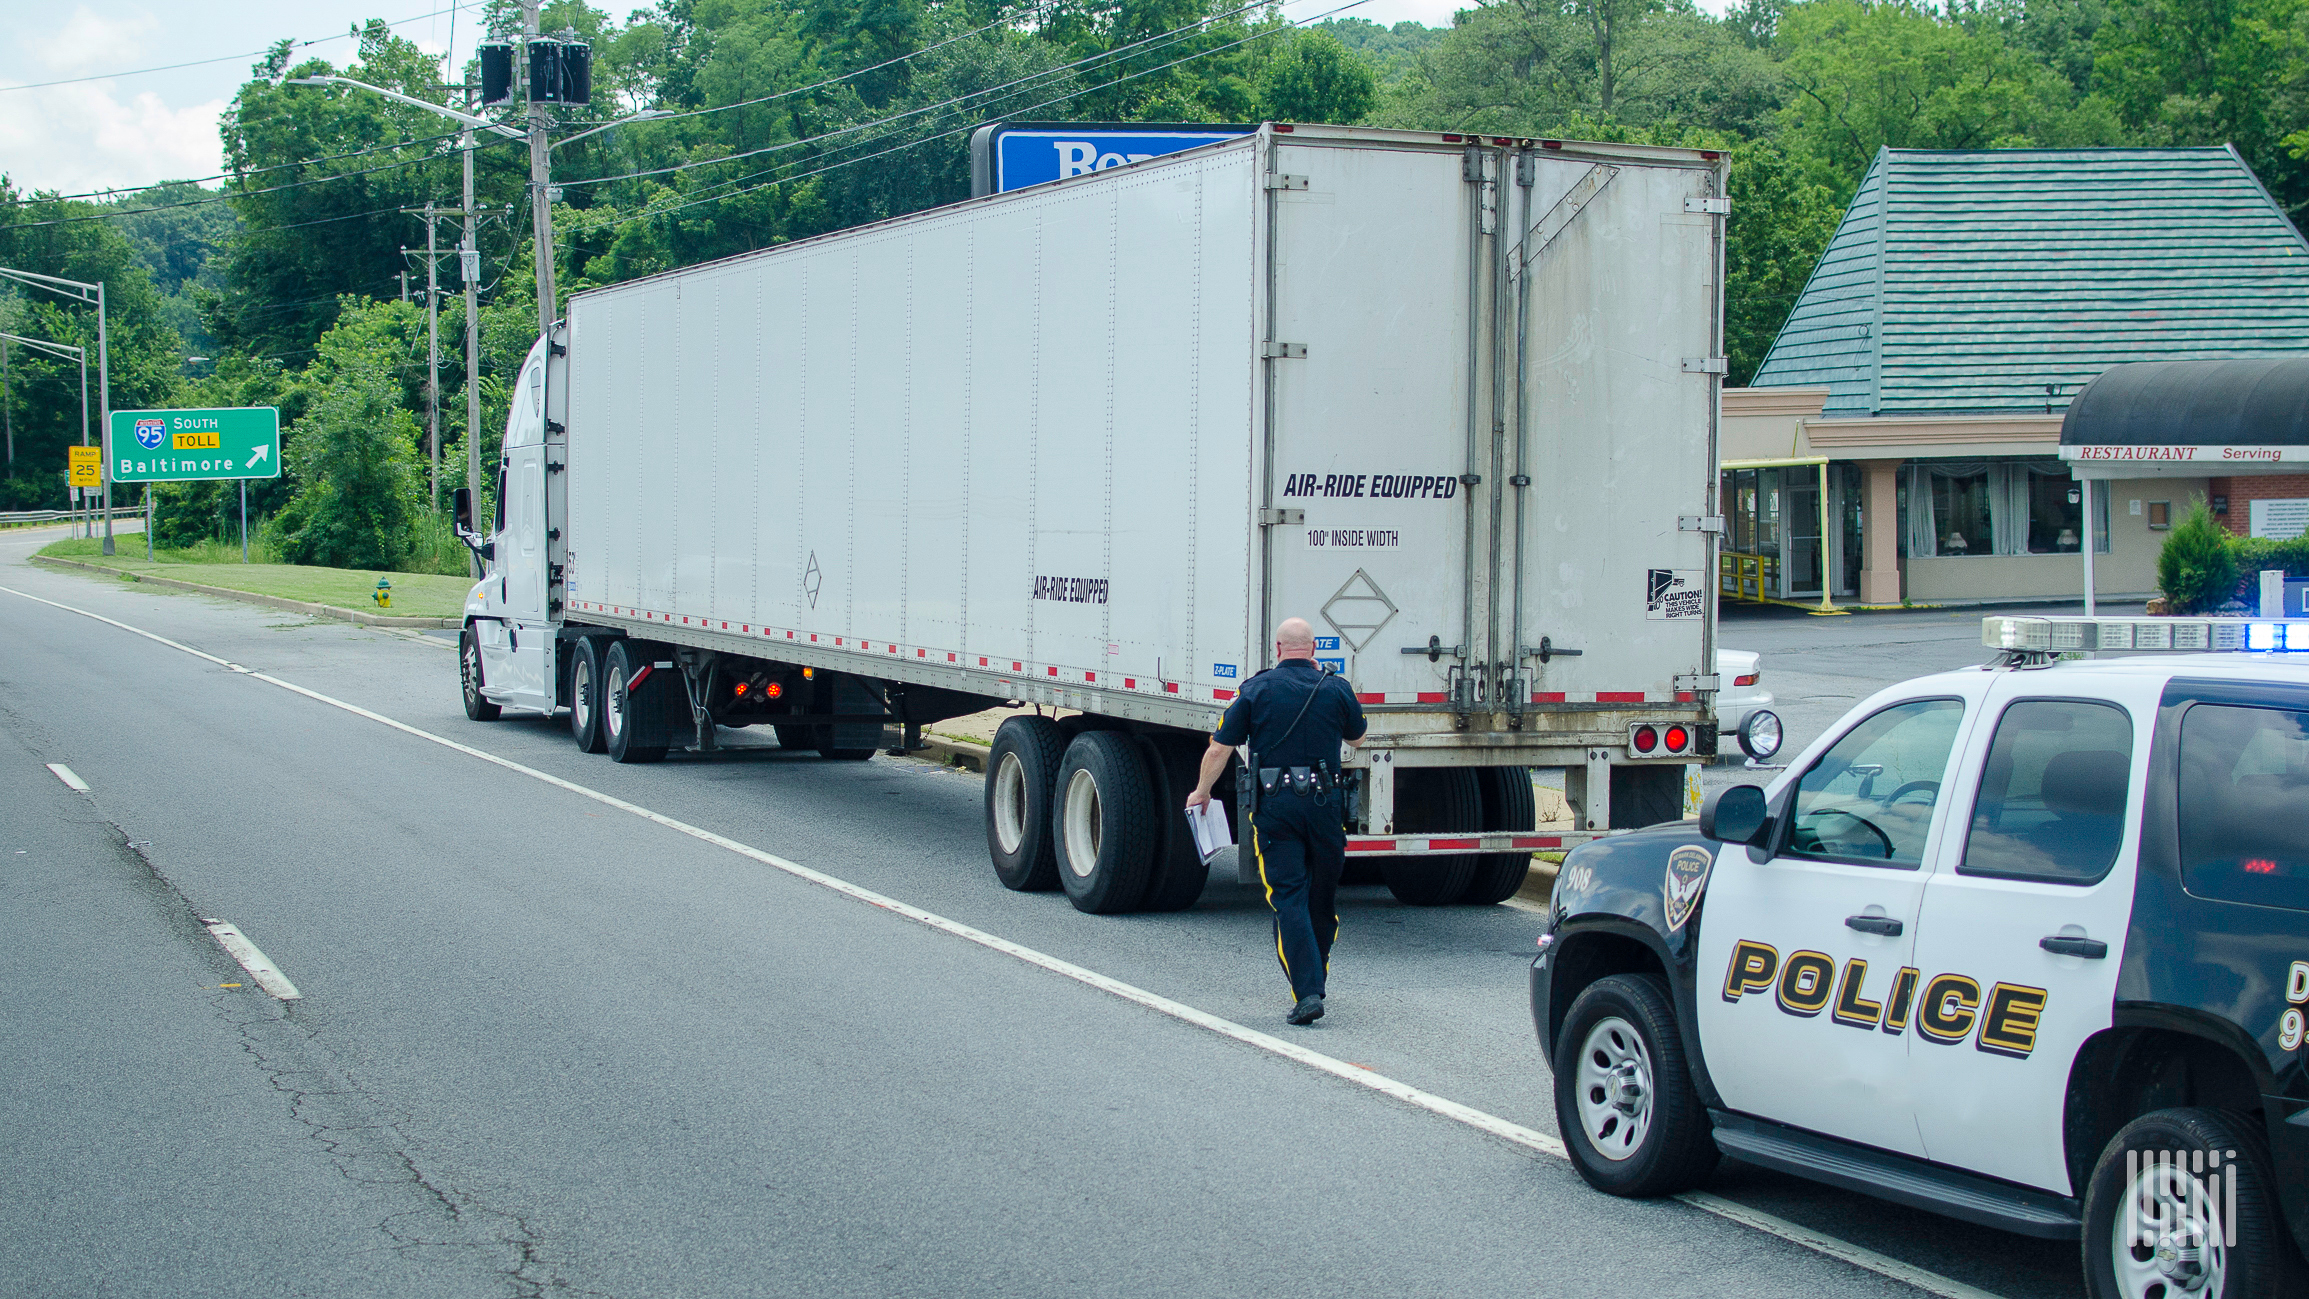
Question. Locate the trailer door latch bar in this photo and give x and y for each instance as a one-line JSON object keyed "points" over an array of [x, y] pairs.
{"points": [[1435, 649]]}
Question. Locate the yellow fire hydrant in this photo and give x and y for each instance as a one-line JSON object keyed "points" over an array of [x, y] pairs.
{"points": [[383, 595]]}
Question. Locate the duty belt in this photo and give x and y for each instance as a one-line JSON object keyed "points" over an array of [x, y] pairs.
{"points": [[1314, 782]]}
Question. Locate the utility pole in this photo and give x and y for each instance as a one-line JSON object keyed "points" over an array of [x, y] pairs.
{"points": [[432, 359], [540, 184], [469, 267], [7, 412]]}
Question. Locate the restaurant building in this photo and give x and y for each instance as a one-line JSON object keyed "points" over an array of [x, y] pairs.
{"points": [[1900, 442]]}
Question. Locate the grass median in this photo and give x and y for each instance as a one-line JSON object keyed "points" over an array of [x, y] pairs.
{"points": [[418, 595]]}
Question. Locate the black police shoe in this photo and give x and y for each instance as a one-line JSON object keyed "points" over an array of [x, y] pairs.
{"points": [[1307, 1011]]}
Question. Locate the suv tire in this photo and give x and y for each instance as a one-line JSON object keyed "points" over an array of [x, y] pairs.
{"points": [[2262, 1260], [1623, 1092]]}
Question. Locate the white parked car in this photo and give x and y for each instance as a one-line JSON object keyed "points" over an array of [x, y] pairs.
{"points": [[1743, 695]]}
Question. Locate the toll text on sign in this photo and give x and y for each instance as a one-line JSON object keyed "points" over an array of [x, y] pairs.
{"points": [[1071, 590], [1438, 487], [1352, 538]]}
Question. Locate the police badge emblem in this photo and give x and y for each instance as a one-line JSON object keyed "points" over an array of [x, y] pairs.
{"points": [[1687, 876]]}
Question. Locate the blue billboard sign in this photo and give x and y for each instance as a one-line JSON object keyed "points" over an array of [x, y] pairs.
{"points": [[1013, 155]]}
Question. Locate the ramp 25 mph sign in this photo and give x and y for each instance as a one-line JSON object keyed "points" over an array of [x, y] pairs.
{"points": [[170, 446]]}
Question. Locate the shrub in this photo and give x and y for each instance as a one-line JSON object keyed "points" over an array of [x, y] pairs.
{"points": [[2197, 569], [359, 485]]}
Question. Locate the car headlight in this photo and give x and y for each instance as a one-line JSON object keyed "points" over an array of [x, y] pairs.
{"points": [[1759, 734]]}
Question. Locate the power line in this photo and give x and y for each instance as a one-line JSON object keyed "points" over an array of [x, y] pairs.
{"points": [[1171, 36], [227, 58], [928, 139], [253, 171]]}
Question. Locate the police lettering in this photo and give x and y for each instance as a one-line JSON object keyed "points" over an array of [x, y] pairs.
{"points": [[1950, 1008]]}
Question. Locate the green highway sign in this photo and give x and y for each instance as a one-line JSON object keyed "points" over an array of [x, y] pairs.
{"points": [[170, 446]]}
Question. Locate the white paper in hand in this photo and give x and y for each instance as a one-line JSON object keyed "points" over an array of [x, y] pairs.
{"points": [[1213, 831]]}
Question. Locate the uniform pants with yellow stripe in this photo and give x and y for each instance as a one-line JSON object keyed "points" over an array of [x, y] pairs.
{"points": [[1301, 847]]}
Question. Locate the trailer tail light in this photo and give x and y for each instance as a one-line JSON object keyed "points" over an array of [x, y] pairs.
{"points": [[1645, 740], [772, 690], [1678, 739], [1655, 740], [742, 688]]}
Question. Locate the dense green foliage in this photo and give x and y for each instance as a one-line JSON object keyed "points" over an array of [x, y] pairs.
{"points": [[784, 119], [2197, 568]]}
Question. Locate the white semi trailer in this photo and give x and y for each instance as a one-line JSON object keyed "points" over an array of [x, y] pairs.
{"points": [[1452, 399]]}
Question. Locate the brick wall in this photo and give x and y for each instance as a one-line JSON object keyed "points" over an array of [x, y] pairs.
{"points": [[2257, 487]]}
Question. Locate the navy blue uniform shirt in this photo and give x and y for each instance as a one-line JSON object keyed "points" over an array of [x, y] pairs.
{"points": [[1263, 712]]}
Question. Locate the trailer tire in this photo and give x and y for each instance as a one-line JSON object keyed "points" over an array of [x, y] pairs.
{"points": [[1021, 773], [625, 717], [832, 754], [1427, 800], [1508, 804], [1176, 880], [585, 695], [796, 738], [477, 706], [1104, 823]]}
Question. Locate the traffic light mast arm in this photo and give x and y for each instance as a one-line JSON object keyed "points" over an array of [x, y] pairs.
{"points": [[468, 119]]}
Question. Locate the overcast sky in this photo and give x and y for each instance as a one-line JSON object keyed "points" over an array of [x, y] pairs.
{"points": [[131, 127]]}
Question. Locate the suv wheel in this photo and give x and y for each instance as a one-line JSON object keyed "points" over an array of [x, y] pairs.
{"points": [[2158, 1219], [1623, 1093]]}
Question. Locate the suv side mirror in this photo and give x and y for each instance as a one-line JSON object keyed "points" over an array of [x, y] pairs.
{"points": [[1735, 815], [461, 508]]}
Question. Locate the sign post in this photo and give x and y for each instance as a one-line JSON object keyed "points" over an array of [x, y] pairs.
{"points": [[177, 446], [85, 466]]}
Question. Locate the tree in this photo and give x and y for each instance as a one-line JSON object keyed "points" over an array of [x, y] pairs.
{"points": [[1780, 224], [1311, 77], [352, 456], [2185, 72]]}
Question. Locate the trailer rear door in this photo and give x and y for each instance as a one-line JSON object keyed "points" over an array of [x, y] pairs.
{"points": [[1367, 535]]}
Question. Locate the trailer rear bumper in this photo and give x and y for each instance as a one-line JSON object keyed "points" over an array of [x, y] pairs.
{"points": [[1401, 845]]}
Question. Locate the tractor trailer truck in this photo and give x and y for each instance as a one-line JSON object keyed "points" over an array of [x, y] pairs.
{"points": [[1452, 399]]}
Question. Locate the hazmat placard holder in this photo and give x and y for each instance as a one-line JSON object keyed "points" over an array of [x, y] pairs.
{"points": [[174, 446]]}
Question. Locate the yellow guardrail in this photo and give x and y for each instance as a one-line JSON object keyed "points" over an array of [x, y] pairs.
{"points": [[1747, 577]]}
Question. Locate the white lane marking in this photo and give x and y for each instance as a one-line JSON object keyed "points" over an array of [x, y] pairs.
{"points": [[71, 781], [259, 965], [1531, 1139]]}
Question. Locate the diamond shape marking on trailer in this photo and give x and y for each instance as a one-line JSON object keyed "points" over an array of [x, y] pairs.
{"points": [[812, 579], [1358, 610]]}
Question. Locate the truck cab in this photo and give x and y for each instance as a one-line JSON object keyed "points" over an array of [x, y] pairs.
{"points": [[507, 652], [1996, 945]]}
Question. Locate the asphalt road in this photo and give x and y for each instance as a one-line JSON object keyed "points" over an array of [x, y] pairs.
{"points": [[550, 1046]]}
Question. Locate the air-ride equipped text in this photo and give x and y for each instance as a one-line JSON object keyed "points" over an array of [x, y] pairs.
{"points": [[1438, 487], [1071, 590]]}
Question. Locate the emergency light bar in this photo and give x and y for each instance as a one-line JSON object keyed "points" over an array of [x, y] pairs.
{"points": [[2062, 635]]}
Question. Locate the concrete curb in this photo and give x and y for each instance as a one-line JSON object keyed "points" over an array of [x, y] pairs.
{"points": [[954, 753], [251, 597]]}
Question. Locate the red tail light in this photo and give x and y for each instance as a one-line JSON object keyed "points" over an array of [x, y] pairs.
{"points": [[1646, 739], [1678, 739]]}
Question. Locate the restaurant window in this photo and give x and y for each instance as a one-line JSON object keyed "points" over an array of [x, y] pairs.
{"points": [[1998, 507]]}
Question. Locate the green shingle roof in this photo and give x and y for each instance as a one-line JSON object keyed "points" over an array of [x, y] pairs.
{"points": [[1964, 283]]}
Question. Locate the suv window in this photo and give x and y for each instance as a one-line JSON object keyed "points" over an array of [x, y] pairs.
{"points": [[1869, 799], [2244, 783], [2052, 795]]}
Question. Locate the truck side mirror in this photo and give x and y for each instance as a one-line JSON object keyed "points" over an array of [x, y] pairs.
{"points": [[461, 508], [1735, 815]]}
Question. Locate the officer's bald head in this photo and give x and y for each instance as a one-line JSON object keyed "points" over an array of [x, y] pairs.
{"points": [[1294, 639]]}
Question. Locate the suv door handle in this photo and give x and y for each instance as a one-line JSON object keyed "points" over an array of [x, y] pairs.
{"points": [[1882, 926], [2092, 949]]}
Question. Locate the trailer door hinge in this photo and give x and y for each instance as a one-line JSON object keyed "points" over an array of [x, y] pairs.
{"points": [[1282, 351], [1280, 181], [1700, 523], [1706, 365], [556, 428], [1702, 682], [1271, 517], [1712, 206], [554, 466]]}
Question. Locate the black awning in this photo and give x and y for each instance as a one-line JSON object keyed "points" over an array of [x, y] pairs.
{"points": [[2193, 403]]}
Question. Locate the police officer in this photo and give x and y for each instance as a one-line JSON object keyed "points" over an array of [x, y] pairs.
{"points": [[1294, 715]]}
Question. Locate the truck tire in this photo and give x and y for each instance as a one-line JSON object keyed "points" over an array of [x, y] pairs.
{"points": [[832, 754], [2175, 1200], [1623, 1092], [1646, 795], [585, 694], [1104, 823], [477, 707], [1433, 799], [1179, 873], [1021, 774], [628, 716], [796, 738], [1508, 804]]}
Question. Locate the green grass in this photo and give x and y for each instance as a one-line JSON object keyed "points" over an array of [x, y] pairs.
{"points": [[211, 563]]}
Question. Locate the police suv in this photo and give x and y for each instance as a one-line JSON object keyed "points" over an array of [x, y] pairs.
{"points": [[2026, 945]]}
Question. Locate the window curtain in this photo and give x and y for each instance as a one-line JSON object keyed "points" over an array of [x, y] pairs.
{"points": [[1923, 534], [2008, 508], [2008, 502]]}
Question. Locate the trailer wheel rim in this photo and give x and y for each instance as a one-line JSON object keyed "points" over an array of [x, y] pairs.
{"points": [[581, 693], [1614, 1083], [1083, 830], [613, 707], [2167, 1241], [1010, 803]]}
